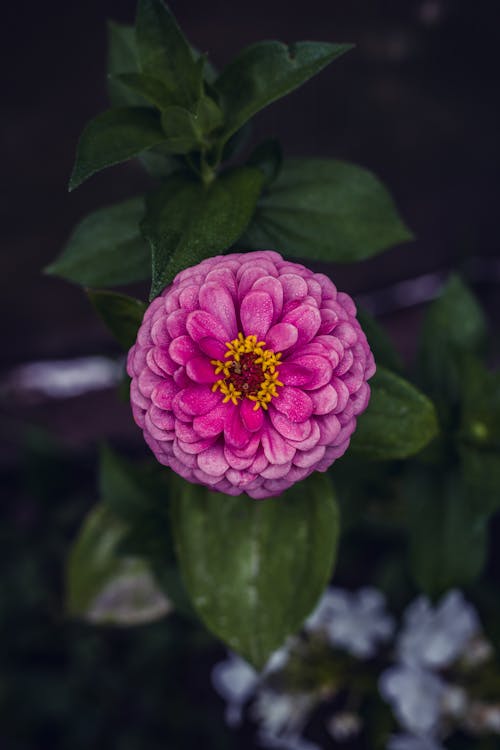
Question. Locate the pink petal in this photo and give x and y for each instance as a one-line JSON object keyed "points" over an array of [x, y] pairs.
{"points": [[217, 300], [223, 277], [212, 348], [346, 333], [342, 394], [276, 471], [235, 432], [212, 461], [345, 363], [212, 423], [188, 459], [206, 479], [324, 399], [200, 370], [160, 334], [294, 287], [247, 278], [256, 314], [329, 320], [305, 459], [288, 429], [329, 428], [309, 442], [346, 301], [293, 403], [185, 432], [163, 360], [198, 399], [157, 432], [239, 478], [176, 323], [259, 463], [237, 462], [273, 288], [181, 379], [162, 395], [136, 396], [276, 449], [188, 298], [250, 448], [320, 369], [306, 319], [147, 381], [293, 374], [201, 324], [253, 420], [195, 448], [182, 349], [281, 336]]}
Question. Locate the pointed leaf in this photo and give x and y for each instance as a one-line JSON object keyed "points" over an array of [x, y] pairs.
{"points": [[323, 209], [122, 314], [399, 421], [122, 58], [113, 137], [255, 569], [186, 222], [164, 52], [267, 71], [148, 89], [106, 248]]}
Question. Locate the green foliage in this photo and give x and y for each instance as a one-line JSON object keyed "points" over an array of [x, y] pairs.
{"points": [[122, 314], [321, 209], [266, 71], [106, 248], [399, 422], [453, 324], [268, 158], [115, 136], [255, 569], [448, 538], [164, 53], [186, 221], [122, 59], [103, 585]]}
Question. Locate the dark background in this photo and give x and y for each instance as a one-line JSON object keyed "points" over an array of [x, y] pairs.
{"points": [[416, 102]]}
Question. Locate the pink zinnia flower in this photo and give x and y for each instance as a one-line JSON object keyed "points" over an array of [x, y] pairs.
{"points": [[248, 373]]}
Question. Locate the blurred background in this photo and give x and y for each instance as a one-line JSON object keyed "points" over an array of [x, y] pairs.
{"points": [[416, 102]]}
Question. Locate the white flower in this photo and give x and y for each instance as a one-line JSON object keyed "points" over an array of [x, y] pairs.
{"points": [[281, 713], [435, 637], [354, 621], [411, 742], [344, 725], [235, 681], [455, 701], [415, 696]]}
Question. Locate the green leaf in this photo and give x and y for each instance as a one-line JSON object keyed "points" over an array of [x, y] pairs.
{"points": [[186, 222], [268, 158], [122, 314], [381, 345], [481, 472], [399, 421], [321, 209], [106, 248], [267, 71], [138, 496], [453, 324], [255, 569], [122, 58], [147, 89], [448, 538], [105, 586], [164, 52], [115, 136]]}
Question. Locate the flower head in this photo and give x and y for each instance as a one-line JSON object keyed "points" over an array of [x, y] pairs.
{"points": [[354, 621], [248, 373], [415, 696]]}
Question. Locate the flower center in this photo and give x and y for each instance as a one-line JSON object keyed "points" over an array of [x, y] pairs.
{"points": [[248, 370]]}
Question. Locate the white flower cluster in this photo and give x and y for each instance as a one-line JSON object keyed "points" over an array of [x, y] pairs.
{"points": [[430, 642], [423, 698]]}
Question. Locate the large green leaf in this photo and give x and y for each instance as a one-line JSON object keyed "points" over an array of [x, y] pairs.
{"points": [[454, 324], [147, 89], [105, 586], [164, 52], [255, 569], [448, 537], [115, 136], [399, 421], [106, 248], [122, 314], [267, 71], [323, 209], [187, 221]]}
